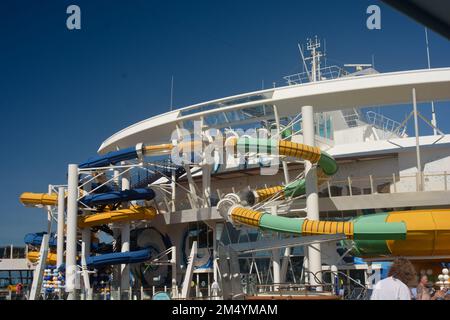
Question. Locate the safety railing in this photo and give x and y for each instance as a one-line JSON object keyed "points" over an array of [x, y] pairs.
{"points": [[353, 186]]}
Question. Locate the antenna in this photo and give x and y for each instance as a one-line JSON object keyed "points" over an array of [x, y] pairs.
{"points": [[433, 111], [304, 61], [171, 94]]}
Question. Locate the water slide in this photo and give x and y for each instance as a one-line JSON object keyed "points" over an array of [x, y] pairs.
{"points": [[115, 216], [36, 199], [35, 239], [119, 258], [33, 256], [327, 166], [113, 197], [136, 152], [402, 233]]}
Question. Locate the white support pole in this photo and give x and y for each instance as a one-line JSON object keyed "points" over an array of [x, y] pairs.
{"points": [[186, 289], [206, 181], [416, 131], [173, 262], [312, 197], [60, 230], [276, 259], [125, 237], [71, 243], [85, 253], [433, 111], [39, 271], [285, 264], [215, 240], [49, 214], [193, 192], [173, 187]]}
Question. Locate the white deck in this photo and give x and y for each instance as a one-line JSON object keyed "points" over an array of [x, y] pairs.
{"points": [[372, 90]]}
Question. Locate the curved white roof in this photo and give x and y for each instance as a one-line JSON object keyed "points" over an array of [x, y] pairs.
{"points": [[373, 90]]}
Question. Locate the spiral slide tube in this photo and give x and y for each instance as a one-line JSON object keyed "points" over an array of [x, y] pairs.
{"points": [[428, 234], [98, 199], [123, 215], [357, 230], [326, 163]]}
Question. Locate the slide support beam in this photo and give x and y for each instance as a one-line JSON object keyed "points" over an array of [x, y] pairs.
{"points": [[312, 198]]}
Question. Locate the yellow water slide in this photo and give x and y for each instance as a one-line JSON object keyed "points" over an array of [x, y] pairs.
{"points": [[122, 215], [33, 256], [34, 199]]}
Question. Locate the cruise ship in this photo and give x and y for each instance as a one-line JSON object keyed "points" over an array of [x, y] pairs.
{"points": [[300, 191]]}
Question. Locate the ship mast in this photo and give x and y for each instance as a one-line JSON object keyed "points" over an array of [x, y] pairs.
{"points": [[313, 46]]}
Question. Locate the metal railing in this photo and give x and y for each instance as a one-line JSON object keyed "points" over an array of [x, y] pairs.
{"points": [[352, 186], [385, 124], [326, 73]]}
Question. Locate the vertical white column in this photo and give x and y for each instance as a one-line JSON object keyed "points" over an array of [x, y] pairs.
{"points": [[276, 259], [173, 261], [49, 214], [71, 242], [173, 187], [416, 131], [60, 230], [85, 253], [125, 237], [312, 197], [206, 181]]}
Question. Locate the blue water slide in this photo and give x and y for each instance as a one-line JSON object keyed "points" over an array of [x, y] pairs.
{"points": [[118, 196], [110, 158], [35, 239], [119, 258]]}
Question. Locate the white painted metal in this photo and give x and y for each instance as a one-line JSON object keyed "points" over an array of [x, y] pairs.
{"points": [[173, 187], [60, 229], [125, 238], [276, 268], [49, 212], [186, 289], [71, 239], [173, 261], [39, 271], [206, 182], [433, 111], [416, 132], [85, 252], [377, 89], [312, 197]]}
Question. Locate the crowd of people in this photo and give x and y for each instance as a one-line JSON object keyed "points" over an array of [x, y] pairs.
{"points": [[403, 283]]}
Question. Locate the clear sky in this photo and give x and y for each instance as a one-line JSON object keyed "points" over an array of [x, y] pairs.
{"points": [[63, 92]]}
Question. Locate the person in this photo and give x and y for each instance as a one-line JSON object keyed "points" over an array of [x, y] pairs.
{"points": [[215, 290], [440, 295], [19, 288], [395, 286], [423, 293]]}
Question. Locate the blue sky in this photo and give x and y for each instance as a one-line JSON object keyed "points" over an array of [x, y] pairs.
{"points": [[63, 92]]}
